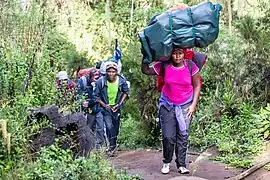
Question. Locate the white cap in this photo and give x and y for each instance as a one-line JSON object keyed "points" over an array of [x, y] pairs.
{"points": [[105, 63], [62, 75]]}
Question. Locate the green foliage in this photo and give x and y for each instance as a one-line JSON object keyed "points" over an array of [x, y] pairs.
{"points": [[247, 28], [144, 96], [63, 54], [23, 41], [227, 123], [66, 36], [267, 167], [134, 135], [56, 163], [264, 118], [255, 32]]}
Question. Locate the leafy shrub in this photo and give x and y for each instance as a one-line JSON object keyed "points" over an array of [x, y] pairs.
{"points": [[227, 123], [133, 134], [56, 163], [264, 118]]}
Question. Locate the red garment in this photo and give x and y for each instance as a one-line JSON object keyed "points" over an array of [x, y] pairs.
{"points": [[83, 72], [94, 71], [68, 87]]}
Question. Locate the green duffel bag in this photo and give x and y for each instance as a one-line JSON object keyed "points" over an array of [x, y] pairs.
{"points": [[196, 26]]}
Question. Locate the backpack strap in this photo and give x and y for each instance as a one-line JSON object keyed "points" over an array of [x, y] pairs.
{"points": [[190, 66], [163, 67], [84, 80], [102, 81]]}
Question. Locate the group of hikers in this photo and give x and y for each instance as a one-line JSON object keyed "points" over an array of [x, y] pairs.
{"points": [[105, 92], [101, 93], [178, 81]]}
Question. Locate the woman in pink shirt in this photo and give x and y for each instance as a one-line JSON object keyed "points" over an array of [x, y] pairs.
{"points": [[179, 97]]}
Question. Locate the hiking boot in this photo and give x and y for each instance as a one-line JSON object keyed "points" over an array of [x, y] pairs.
{"points": [[166, 168], [183, 170]]}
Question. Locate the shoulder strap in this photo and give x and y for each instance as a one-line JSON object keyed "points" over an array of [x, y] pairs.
{"points": [[163, 67], [102, 81], [84, 80], [190, 65]]}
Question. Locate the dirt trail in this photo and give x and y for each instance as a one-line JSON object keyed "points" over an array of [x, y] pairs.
{"points": [[148, 164]]}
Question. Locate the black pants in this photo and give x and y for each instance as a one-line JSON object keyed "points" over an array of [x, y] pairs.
{"points": [[172, 138]]}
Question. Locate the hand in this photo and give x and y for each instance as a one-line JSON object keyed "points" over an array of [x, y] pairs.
{"points": [[143, 53], [191, 110], [107, 106], [115, 108], [85, 103]]}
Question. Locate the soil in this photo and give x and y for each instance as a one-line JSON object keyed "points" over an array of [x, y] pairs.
{"points": [[147, 164]]}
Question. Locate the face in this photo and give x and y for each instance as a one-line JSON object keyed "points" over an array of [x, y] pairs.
{"points": [[177, 56], [111, 73], [64, 82]]}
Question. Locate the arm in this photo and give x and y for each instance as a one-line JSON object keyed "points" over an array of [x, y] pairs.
{"points": [[97, 94], [196, 91], [197, 88], [79, 90], [146, 69], [124, 96], [103, 104], [120, 104]]}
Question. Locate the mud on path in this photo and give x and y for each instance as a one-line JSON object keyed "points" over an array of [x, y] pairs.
{"points": [[147, 164]]}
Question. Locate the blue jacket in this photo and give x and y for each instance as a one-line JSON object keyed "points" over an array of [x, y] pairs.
{"points": [[101, 89], [85, 88]]}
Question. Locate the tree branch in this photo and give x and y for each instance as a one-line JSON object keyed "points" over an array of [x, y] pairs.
{"points": [[29, 72]]}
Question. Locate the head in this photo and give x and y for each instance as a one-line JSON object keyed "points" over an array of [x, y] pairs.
{"points": [[111, 70], [91, 75], [62, 76], [177, 56]]}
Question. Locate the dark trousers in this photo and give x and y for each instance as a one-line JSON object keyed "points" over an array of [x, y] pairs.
{"points": [[96, 124], [91, 121], [172, 138], [112, 122]]}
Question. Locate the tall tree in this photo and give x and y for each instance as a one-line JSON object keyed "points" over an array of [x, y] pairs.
{"points": [[230, 15]]}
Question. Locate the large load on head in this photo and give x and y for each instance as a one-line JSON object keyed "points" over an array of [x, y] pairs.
{"points": [[188, 27]]}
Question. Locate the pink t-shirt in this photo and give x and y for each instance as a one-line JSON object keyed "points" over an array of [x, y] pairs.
{"points": [[177, 81]]}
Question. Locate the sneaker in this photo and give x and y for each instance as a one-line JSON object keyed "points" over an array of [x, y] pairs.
{"points": [[166, 168], [183, 170]]}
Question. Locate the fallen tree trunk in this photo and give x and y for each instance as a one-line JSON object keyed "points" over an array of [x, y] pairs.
{"points": [[250, 170], [72, 125]]}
